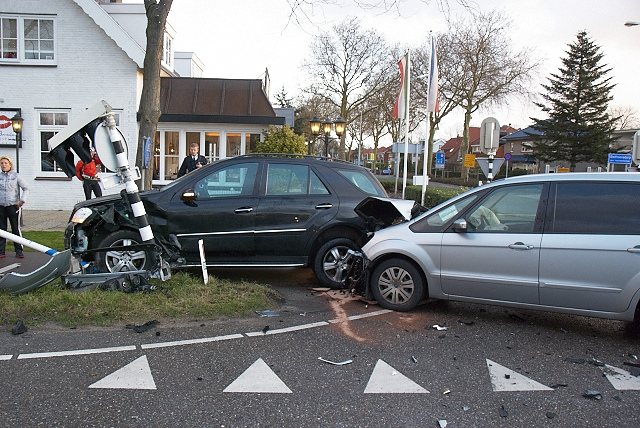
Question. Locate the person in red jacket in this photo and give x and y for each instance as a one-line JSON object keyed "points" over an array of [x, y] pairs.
{"points": [[88, 174]]}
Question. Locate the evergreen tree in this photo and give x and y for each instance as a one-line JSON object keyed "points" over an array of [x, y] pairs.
{"points": [[282, 99], [578, 129]]}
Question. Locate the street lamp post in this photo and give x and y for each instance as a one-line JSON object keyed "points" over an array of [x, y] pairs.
{"points": [[315, 130], [326, 130], [16, 124]]}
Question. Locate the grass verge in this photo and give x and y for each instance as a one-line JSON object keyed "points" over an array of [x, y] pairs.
{"points": [[182, 297]]}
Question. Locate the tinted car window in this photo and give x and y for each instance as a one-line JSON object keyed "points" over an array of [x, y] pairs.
{"points": [[287, 179], [234, 180], [596, 208], [511, 209], [361, 181]]}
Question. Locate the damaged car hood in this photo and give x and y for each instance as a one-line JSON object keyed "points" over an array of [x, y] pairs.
{"points": [[385, 212]]}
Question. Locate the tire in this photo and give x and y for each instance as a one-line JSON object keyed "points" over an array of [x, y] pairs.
{"points": [[396, 284], [332, 262], [123, 261]]}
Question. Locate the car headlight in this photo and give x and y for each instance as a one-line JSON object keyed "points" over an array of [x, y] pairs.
{"points": [[81, 215]]}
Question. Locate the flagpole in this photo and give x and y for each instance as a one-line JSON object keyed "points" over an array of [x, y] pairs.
{"points": [[406, 122]]}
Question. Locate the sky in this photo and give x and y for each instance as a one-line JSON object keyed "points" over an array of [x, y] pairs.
{"points": [[242, 38]]}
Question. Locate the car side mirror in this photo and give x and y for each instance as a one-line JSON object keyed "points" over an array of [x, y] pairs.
{"points": [[460, 225], [188, 196]]}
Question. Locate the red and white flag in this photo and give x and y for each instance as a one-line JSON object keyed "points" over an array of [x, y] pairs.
{"points": [[403, 97], [432, 96]]}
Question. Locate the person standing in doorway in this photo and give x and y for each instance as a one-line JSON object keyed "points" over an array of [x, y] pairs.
{"points": [[88, 174], [11, 202], [193, 161]]}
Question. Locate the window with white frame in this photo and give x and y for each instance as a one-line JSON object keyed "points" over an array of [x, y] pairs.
{"points": [[50, 122], [167, 53], [526, 148], [28, 39]]}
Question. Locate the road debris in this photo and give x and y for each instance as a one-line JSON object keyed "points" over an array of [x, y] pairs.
{"points": [[442, 423], [144, 327], [558, 385], [503, 413], [267, 313], [19, 328], [593, 394], [439, 327], [575, 360], [446, 391], [414, 359], [551, 415], [341, 363], [466, 322], [265, 329]]}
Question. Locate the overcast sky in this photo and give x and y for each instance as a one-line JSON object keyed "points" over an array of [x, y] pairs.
{"points": [[241, 38]]}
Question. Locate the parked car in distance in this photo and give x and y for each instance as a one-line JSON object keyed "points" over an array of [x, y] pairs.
{"points": [[567, 243], [250, 211]]}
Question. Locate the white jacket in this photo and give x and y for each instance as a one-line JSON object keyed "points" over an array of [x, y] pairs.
{"points": [[9, 182]]}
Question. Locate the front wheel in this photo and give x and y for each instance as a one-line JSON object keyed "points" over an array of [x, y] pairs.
{"points": [[123, 261], [396, 284], [333, 262]]}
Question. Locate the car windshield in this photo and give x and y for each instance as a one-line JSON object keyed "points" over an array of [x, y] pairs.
{"points": [[363, 182], [435, 221]]}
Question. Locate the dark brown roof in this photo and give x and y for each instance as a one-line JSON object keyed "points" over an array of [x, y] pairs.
{"points": [[200, 100]]}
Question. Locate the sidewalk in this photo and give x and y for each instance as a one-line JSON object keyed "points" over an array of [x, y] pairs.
{"points": [[44, 220]]}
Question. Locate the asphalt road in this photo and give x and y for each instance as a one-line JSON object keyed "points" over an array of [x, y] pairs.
{"points": [[491, 366]]}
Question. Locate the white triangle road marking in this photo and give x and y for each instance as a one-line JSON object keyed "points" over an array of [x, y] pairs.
{"points": [[621, 379], [258, 378], [387, 380], [135, 375], [504, 379]]}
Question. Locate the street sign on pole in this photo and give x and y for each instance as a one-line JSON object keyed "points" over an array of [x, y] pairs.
{"points": [[484, 163], [620, 158], [489, 135], [440, 159], [636, 148]]}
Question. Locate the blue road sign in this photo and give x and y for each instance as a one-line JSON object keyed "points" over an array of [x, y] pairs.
{"points": [[620, 158]]}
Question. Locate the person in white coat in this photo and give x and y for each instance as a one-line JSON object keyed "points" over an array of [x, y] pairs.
{"points": [[11, 201]]}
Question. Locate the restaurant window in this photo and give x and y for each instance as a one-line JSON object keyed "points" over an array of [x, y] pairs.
{"points": [[250, 142], [49, 123], [171, 155], [234, 147], [211, 149]]}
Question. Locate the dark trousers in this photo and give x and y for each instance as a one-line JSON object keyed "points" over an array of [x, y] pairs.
{"points": [[12, 213], [91, 185]]}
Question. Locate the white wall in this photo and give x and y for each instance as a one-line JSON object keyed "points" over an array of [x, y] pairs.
{"points": [[90, 67]]}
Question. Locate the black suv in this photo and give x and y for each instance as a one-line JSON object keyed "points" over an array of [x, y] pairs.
{"points": [[250, 211]]}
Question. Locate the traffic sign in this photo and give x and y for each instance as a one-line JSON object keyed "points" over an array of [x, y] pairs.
{"points": [[507, 156], [440, 160], [620, 158], [489, 135], [469, 160]]}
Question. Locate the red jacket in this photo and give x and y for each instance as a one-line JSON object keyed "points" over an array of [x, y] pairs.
{"points": [[89, 170]]}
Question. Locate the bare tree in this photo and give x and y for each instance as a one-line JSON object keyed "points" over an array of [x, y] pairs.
{"points": [[157, 11], [627, 117], [349, 64], [485, 69]]}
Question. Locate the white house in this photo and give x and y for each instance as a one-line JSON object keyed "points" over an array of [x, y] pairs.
{"points": [[59, 57]]}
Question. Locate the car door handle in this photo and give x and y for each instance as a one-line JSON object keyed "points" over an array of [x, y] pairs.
{"points": [[324, 206], [635, 249], [520, 246], [243, 210]]}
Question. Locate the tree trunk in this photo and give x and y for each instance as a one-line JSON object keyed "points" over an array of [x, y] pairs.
{"points": [[149, 110], [464, 148]]}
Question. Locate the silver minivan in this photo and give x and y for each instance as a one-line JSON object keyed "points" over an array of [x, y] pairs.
{"points": [[566, 243]]}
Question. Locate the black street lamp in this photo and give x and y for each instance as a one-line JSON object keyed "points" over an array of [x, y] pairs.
{"points": [[16, 124], [326, 130]]}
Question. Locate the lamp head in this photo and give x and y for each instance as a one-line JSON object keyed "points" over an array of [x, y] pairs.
{"points": [[16, 123]]}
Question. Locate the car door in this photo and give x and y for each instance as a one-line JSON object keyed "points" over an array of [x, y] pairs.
{"points": [[497, 257], [294, 204], [590, 252], [222, 214]]}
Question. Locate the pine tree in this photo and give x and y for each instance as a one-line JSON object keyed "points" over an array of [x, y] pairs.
{"points": [[579, 128]]}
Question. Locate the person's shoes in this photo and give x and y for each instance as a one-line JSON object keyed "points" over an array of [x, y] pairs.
{"points": [[20, 256]]}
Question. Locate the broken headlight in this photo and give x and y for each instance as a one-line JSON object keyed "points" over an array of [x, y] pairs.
{"points": [[81, 215]]}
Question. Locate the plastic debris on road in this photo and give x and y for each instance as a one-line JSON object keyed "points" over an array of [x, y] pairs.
{"points": [[267, 313], [19, 328], [503, 413], [144, 327], [341, 363], [593, 394], [439, 327]]}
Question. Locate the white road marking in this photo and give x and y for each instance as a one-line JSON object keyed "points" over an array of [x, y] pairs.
{"points": [[504, 379], [191, 341], [258, 378], [135, 375], [621, 380], [76, 352], [288, 329], [386, 380]]}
